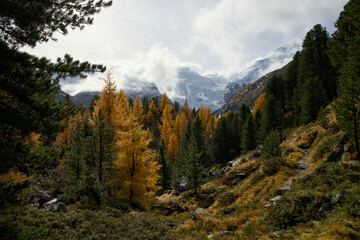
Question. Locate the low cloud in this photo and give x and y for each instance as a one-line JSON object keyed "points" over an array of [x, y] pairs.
{"points": [[159, 65], [240, 31]]}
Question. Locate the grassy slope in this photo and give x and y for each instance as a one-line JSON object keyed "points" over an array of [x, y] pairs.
{"points": [[308, 211]]}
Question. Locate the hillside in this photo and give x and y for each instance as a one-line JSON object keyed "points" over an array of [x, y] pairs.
{"points": [[303, 195], [249, 93]]}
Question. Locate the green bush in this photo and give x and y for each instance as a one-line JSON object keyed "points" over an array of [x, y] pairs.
{"points": [[272, 165], [271, 145], [326, 146]]}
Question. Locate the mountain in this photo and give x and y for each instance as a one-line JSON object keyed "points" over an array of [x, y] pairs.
{"points": [[200, 91], [248, 93], [84, 98], [260, 67]]}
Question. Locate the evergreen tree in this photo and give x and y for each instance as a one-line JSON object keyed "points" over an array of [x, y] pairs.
{"points": [[345, 56], [165, 169], [145, 105], [272, 115], [275, 87], [221, 148], [249, 134], [290, 79], [244, 112], [191, 155], [312, 99]]}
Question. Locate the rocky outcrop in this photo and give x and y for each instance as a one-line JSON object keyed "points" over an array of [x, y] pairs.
{"points": [[248, 93]]}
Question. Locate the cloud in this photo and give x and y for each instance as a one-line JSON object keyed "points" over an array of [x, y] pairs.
{"points": [[158, 65], [239, 31]]}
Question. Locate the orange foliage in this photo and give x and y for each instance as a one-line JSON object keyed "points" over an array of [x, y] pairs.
{"points": [[259, 104]]}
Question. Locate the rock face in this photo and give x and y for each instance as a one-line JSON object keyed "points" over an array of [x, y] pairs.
{"points": [[248, 93], [279, 57]]}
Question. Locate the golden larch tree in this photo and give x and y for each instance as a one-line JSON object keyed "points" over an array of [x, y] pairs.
{"points": [[163, 102], [166, 132], [177, 127], [173, 143], [137, 109], [259, 104], [107, 101], [136, 163], [216, 120], [186, 109]]}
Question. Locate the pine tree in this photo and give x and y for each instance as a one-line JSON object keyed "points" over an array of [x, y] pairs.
{"points": [[191, 156], [344, 53], [272, 115], [165, 169], [290, 79], [275, 87], [221, 149], [312, 99], [249, 134]]}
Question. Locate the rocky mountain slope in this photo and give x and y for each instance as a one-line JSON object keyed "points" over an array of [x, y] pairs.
{"points": [[248, 93], [260, 67]]}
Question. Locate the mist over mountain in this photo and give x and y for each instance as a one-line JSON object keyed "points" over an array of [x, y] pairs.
{"points": [[179, 81], [259, 68]]}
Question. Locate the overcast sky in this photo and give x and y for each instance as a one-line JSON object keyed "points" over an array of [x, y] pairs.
{"points": [[151, 38]]}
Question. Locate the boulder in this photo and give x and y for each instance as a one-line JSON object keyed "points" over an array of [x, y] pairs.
{"points": [[238, 178], [58, 207], [276, 198], [281, 191], [199, 210]]}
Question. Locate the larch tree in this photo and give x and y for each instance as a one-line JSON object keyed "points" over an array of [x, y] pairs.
{"points": [[164, 101], [137, 109], [259, 104], [186, 110], [136, 163], [107, 100]]}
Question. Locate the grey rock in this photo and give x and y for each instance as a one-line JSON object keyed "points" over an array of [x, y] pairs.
{"points": [[276, 198], [268, 205], [339, 197], [221, 174], [199, 210], [303, 165], [220, 234], [58, 207], [281, 191]]}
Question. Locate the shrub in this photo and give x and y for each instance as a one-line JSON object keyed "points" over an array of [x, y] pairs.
{"points": [[272, 165], [271, 145]]}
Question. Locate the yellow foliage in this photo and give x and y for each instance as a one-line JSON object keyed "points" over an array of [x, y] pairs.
{"points": [[108, 101], [15, 176], [204, 115], [33, 139], [164, 101], [136, 163], [173, 143], [259, 104], [216, 120], [186, 110], [166, 132], [150, 119], [137, 109]]}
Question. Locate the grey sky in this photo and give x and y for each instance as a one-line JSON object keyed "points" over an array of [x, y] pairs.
{"points": [[149, 39]]}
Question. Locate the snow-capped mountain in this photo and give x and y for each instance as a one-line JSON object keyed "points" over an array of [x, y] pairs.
{"points": [[179, 82], [259, 68], [200, 91]]}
